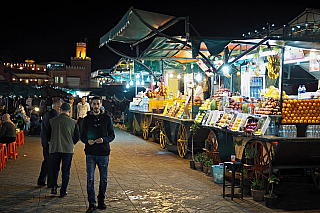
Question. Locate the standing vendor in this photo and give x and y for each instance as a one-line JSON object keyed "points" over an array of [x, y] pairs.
{"points": [[199, 92]]}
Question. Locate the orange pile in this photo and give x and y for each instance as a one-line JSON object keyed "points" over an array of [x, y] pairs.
{"points": [[301, 111]]}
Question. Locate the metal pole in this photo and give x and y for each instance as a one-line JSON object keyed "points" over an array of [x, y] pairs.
{"points": [[280, 78], [192, 96], [135, 79]]}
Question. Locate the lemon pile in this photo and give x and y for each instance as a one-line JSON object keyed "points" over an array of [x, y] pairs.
{"points": [[273, 92]]}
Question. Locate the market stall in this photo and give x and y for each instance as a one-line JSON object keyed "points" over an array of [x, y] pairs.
{"points": [[279, 125]]}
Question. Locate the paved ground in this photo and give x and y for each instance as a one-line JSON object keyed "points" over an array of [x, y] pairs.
{"points": [[142, 178]]}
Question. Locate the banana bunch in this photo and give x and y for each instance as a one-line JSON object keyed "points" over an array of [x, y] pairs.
{"points": [[273, 66]]}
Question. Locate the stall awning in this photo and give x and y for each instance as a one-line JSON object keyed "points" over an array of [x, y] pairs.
{"points": [[216, 45], [131, 29]]}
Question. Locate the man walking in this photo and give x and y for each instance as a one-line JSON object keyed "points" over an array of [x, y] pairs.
{"points": [[45, 172], [63, 133], [82, 109], [97, 133]]}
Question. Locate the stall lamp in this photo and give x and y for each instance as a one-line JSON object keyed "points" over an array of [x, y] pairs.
{"points": [[148, 79], [138, 82], [178, 76], [127, 86], [142, 82], [131, 82], [138, 75], [170, 75]]}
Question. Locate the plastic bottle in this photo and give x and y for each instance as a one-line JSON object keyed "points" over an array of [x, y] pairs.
{"points": [[308, 132], [299, 92], [281, 131], [312, 131], [304, 89], [295, 131], [272, 125]]}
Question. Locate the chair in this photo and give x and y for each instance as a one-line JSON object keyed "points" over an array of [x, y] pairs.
{"points": [[233, 185], [12, 150]]}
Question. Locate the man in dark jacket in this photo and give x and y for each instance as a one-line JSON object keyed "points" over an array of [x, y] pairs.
{"points": [[45, 172], [97, 133]]}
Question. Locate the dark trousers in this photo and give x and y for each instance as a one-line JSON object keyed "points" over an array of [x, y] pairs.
{"points": [[45, 172], [80, 120], [56, 159]]}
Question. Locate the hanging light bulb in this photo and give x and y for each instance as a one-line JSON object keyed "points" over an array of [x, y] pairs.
{"points": [[178, 76], [127, 86], [138, 75], [170, 75], [138, 82], [225, 69], [142, 82], [148, 79], [131, 82]]}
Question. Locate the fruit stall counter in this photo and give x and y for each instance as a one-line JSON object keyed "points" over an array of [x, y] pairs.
{"points": [[269, 152], [142, 121], [175, 132]]}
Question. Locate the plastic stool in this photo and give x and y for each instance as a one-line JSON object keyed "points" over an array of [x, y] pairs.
{"points": [[12, 150], [22, 136], [5, 150], [2, 159], [18, 138]]}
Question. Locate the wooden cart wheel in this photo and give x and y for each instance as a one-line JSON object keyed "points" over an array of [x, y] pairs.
{"points": [[163, 141], [134, 125], [145, 128], [315, 173], [262, 161], [182, 140], [214, 152]]}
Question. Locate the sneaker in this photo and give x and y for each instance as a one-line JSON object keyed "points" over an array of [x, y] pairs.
{"points": [[54, 191], [63, 194], [101, 204], [92, 208]]}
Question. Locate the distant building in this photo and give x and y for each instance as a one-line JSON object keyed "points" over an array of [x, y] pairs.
{"points": [[75, 75]]}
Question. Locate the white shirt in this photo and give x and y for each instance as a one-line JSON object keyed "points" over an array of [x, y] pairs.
{"points": [[199, 92], [83, 109]]}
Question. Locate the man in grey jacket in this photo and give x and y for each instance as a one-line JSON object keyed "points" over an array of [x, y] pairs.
{"points": [[63, 133]]}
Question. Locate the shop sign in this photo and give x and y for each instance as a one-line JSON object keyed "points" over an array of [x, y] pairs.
{"points": [[293, 54]]}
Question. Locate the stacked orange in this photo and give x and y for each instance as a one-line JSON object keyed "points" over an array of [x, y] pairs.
{"points": [[301, 111]]}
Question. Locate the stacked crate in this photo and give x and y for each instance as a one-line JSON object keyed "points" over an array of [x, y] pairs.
{"points": [[156, 104]]}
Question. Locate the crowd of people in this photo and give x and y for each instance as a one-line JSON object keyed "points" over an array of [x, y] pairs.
{"points": [[61, 123], [27, 113], [59, 134]]}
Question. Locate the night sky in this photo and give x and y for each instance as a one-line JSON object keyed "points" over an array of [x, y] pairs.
{"points": [[48, 31]]}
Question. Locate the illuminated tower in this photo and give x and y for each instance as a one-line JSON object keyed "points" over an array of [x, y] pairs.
{"points": [[81, 50]]}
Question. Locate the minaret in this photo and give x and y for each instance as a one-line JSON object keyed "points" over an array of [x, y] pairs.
{"points": [[80, 66], [81, 50]]}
